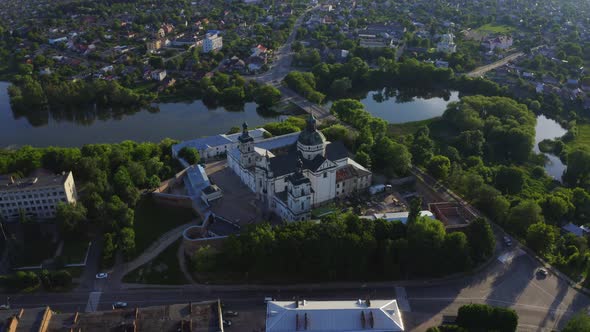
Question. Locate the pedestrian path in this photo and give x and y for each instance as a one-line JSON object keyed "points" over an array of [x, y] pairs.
{"points": [[93, 301], [402, 299]]}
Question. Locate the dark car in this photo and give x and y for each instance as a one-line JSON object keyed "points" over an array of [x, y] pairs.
{"points": [[119, 305], [230, 313], [226, 322]]}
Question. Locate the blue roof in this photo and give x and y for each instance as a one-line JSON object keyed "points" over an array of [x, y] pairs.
{"points": [[196, 180], [278, 142]]}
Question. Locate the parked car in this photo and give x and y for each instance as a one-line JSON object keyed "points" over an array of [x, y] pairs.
{"points": [[542, 272], [507, 241], [226, 323], [119, 305], [102, 275], [230, 313]]}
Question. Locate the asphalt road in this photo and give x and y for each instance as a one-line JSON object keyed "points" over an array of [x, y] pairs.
{"points": [[543, 304], [480, 71]]}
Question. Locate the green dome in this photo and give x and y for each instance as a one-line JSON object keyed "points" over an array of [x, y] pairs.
{"points": [[311, 136]]}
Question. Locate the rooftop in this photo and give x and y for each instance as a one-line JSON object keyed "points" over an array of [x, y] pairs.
{"points": [[8, 182], [343, 316]]}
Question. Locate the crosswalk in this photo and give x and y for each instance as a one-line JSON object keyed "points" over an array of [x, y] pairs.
{"points": [[93, 301], [508, 256], [402, 299]]}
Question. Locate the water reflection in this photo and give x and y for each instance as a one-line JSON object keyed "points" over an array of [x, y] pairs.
{"points": [[95, 125], [549, 129]]}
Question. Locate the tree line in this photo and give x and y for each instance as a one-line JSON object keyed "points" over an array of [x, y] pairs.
{"points": [[345, 247]]}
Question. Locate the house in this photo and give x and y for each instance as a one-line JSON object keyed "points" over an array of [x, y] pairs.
{"points": [[158, 75], [154, 45], [58, 40], [320, 316], [258, 50], [160, 33], [576, 230], [500, 42], [446, 44], [212, 42], [168, 28], [441, 64]]}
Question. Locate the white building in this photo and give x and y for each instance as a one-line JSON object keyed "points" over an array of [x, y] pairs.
{"points": [[341, 316], [214, 146], [291, 174], [212, 42], [446, 44], [159, 75], [393, 216], [35, 196]]}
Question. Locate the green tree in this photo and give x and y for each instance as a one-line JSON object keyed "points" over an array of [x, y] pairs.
{"points": [[523, 215], [391, 158], [509, 180], [541, 238], [127, 242], [71, 217], [578, 169], [109, 248], [439, 167], [578, 323], [191, 155], [456, 252], [481, 240], [267, 96]]}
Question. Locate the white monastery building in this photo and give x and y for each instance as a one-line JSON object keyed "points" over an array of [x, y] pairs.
{"points": [[291, 174]]}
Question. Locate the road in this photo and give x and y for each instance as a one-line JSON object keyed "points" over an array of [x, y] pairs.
{"points": [[480, 71], [283, 56], [543, 304]]}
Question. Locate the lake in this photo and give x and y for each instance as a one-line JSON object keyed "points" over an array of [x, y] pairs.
{"points": [[550, 129], [400, 106], [175, 120]]}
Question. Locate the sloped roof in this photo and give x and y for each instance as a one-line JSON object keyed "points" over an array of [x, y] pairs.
{"points": [[333, 316]]}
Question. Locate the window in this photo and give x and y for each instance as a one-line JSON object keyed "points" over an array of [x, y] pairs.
{"points": [[326, 175], [302, 205]]}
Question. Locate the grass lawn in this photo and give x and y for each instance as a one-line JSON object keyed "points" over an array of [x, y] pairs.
{"points": [[582, 141], [408, 128], [152, 220], [492, 28], [74, 251], [324, 210], [163, 270]]}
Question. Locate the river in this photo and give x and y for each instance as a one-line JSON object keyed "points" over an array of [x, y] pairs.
{"points": [[550, 129], [175, 120]]}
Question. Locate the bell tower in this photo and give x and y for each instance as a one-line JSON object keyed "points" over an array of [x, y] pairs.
{"points": [[246, 146]]}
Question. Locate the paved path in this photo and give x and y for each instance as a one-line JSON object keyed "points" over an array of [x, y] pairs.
{"points": [[182, 263], [150, 253], [480, 71]]}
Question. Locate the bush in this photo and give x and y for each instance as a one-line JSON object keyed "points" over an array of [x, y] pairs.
{"points": [[482, 317], [191, 155]]}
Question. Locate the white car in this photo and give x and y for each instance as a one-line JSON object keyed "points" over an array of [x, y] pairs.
{"points": [[101, 275]]}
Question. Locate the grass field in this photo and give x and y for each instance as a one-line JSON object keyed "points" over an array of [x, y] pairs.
{"points": [[408, 128], [163, 270], [74, 252], [582, 141], [492, 28], [152, 220]]}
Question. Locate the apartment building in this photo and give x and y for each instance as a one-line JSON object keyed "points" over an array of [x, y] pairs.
{"points": [[37, 197], [212, 42]]}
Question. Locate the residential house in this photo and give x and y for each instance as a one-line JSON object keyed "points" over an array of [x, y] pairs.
{"points": [[154, 45], [158, 75], [446, 44], [212, 42], [500, 42]]}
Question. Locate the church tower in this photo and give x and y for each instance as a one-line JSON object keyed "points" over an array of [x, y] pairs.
{"points": [[311, 141], [299, 194], [246, 146]]}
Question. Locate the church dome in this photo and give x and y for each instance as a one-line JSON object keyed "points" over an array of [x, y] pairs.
{"points": [[311, 136]]}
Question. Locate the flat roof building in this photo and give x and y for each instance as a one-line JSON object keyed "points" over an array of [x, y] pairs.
{"points": [[196, 317], [35, 196], [341, 316]]}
